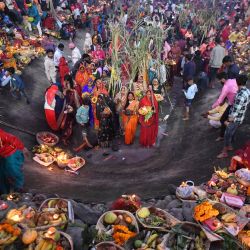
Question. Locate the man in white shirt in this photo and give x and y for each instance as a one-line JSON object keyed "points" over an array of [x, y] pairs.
{"points": [[124, 19], [50, 68], [216, 57], [76, 54], [58, 54]]}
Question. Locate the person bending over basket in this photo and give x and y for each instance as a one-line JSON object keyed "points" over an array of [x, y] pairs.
{"points": [[12, 153]]}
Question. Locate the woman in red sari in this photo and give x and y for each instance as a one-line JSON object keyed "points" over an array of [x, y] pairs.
{"points": [[149, 127], [241, 159], [72, 104], [63, 69]]}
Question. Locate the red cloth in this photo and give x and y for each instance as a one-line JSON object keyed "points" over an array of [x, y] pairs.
{"points": [[149, 129], [9, 144], [241, 159], [50, 113], [225, 33], [51, 119], [98, 54], [63, 69], [78, 89], [51, 94], [49, 23]]}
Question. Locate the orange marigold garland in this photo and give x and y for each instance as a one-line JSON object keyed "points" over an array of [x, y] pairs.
{"points": [[10, 229], [122, 234], [204, 211]]}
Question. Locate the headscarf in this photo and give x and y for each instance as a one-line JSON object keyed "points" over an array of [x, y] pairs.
{"points": [[51, 93], [101, 90]]}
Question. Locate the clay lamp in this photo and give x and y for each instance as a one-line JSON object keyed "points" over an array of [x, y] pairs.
{"points": [[16, 218], [13, 197], [3, 205]]}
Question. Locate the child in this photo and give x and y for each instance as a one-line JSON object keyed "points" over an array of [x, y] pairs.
{"points": [[17, 85], [82, 114], [189, 94]]}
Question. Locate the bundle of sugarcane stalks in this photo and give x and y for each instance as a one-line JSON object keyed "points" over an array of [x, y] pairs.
{"points": [[205, 15], [132, 49]]}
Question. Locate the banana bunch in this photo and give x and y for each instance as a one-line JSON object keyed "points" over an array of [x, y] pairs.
{"points": [[44, 244], [229, 218], [58, 204], [151, 241]]}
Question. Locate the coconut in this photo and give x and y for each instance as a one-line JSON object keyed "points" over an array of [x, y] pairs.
{"points": [[143, 212], [110, 218], [29, 236]]}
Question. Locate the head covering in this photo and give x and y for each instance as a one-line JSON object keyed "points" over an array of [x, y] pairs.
{"points": [[88, 36], [72, 45]]}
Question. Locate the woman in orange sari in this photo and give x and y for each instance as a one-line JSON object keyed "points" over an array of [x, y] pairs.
{"points": [[82, 76], [130, 118], [98, 89]]}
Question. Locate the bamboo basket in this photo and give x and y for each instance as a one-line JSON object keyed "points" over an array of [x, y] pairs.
{"points": [[173, 221], [68, 237], [189, 226], [223, 209], [46, 143], [243, 182], [70, 208], [100, 225], [110, 243], [45, 227]]}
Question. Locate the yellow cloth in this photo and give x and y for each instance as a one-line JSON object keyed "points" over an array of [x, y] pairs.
{"points": [[219, 109], [233, 37]]}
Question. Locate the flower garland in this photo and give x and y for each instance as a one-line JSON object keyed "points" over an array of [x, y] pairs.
{"points": [[10, 229], [122, 234]]}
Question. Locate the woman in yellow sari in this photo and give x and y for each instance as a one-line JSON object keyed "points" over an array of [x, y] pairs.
{"points": [[130, 118]]}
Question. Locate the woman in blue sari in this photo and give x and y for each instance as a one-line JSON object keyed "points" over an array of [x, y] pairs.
{"points": [[87, 90]]}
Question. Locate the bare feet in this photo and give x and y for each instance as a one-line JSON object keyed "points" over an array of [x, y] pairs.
{"points": [[230, 148], [222, 155], [219, 139]]}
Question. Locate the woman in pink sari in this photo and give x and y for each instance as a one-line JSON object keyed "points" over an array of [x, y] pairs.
{"points": [[149, 127], [166, 49]]}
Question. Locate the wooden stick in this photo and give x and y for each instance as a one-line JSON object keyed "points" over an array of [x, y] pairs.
{"points": [[17, 128]]}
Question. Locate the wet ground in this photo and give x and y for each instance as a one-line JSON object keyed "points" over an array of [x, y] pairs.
{"points": [[188, 152]]}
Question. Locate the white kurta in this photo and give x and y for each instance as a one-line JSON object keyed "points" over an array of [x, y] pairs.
{"points": [[76, 55]]}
